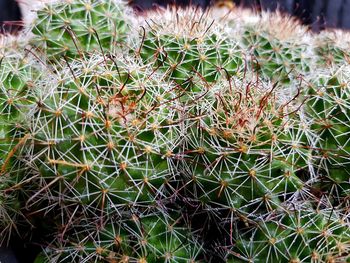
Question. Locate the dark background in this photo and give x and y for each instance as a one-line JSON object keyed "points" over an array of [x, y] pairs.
{"points": [[319, 14]]}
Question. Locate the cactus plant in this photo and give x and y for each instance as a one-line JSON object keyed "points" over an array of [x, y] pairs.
{"points": [[72, 27], [175, 136]]}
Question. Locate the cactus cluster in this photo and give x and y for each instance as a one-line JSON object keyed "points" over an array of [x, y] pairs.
{"points": [[178, 135]]}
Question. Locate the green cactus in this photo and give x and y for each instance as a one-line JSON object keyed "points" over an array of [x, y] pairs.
{"points": [[202, 138], [190, 49], [332, 48], [102, 136], [295, 236], [69, 28]]}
